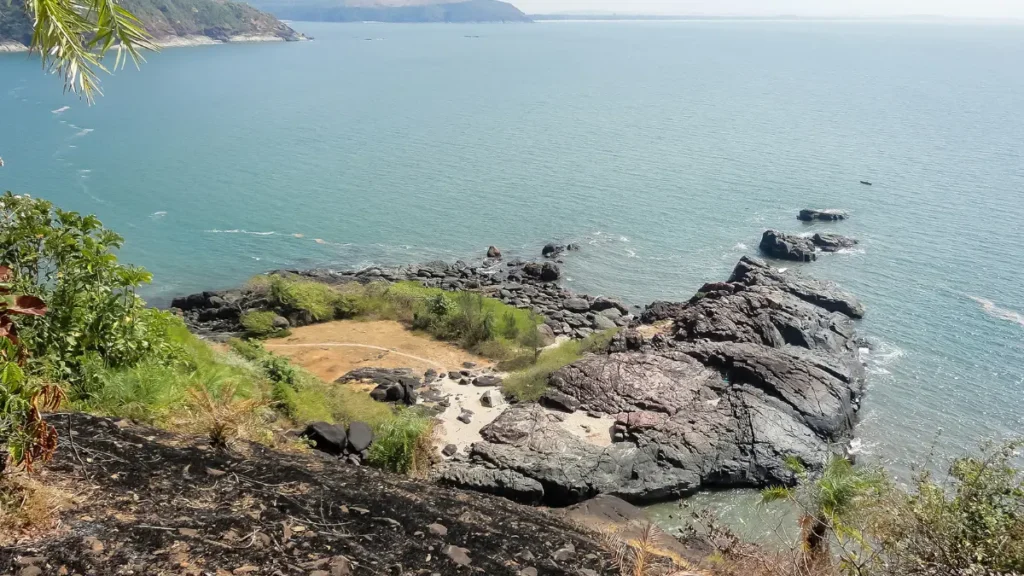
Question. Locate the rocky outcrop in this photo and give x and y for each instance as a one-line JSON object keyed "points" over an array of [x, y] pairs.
{"points": [[528, 285], [787, 246], [809, 215], [757, 369], [832, 242]]}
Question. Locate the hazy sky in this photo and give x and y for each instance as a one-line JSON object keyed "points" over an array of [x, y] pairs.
{"points": [[956, 8]]}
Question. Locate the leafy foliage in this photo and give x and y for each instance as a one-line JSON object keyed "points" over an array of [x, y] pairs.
{"points": [[95, 314], [73, 36]]}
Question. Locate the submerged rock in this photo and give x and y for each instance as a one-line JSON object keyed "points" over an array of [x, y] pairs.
{"points": [[832, 242]]}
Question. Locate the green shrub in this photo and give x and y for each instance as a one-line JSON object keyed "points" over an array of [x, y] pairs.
{"points": [[147, 392], [69, 261], [403, 444], [316, 298], [259, 323], [529, 383]]}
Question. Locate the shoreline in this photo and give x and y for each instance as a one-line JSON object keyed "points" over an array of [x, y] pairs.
{"points": [[714, 392], [11, 47]]}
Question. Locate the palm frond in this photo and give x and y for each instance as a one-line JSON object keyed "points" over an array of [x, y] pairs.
{"points": [[776, 494], [73, 36]]}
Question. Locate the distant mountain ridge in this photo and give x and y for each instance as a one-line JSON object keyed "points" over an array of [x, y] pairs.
{"points": [[172, 22], [393, 10]]}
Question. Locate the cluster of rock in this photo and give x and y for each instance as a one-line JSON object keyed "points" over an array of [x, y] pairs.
{"points": [[527, 285], [754, 370], [802, 248], [404, 386], [350, 444]]}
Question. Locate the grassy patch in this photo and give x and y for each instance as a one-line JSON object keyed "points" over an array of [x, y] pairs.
{"points": [[404, 444], [28, 505], [305, 398], [483, 325], [259, 323], [529, 383]]}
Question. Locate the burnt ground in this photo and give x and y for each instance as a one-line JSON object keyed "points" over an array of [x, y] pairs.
{"points": [[152, 502]]}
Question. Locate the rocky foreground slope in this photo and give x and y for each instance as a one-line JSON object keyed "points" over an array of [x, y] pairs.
{"points": [[751, 371], [150, 502]]}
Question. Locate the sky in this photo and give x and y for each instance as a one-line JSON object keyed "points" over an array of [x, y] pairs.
{"points": [[858, 8]]}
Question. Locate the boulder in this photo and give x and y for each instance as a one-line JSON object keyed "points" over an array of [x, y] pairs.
{"points": [[808, 215], [558, 401], [547, 335], [327, 438], [449, 450], [576, 304], [832, 242], [465, 417], [545, 272], [492, 399], [360, 436], [493, 252], [552, 250], [487, 380], [602, 322], [787, 247], [280, 323]]}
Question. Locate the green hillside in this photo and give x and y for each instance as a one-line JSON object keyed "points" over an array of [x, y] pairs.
{"points": [[165, 19], [393, 11]]}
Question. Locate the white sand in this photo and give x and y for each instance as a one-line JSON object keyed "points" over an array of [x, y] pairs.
{"points": [[596, 431]]}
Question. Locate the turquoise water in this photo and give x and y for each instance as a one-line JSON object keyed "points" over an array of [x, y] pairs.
{"points": [[666, 148]]}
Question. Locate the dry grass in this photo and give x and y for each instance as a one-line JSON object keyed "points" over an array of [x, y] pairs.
{"points": [[641, 550], [28, 506], [224, 417]]}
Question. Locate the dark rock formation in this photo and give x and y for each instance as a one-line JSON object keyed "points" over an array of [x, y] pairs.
{"points": [[493, 252], [757, 369], [808, 215], [787, 247], [528, 285], [327, 438], [832, 242], [487, 380], [360, 436]]}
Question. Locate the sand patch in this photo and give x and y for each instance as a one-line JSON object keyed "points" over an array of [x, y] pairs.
{"points": [[332, 349]]}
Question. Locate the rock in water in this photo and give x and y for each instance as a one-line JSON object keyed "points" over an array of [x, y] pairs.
{"points": [[808, 215], [762, 368], [493, 252], [832, 242], [787, 247], [327, 437]]}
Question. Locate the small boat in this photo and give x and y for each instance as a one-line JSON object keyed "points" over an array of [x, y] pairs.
{"points": [[865, 182]]}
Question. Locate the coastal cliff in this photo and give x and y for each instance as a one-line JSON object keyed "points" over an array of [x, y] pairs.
{"points": [[405, 11], [170, 22]]}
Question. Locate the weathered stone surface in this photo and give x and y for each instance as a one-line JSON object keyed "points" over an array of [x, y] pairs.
{"points": [[493, 252], [327, 437], [832, 242], [787, 247], [492, 399], [759, 369], [487, 380], [556, 400], [808, 215], [360, 436]]}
